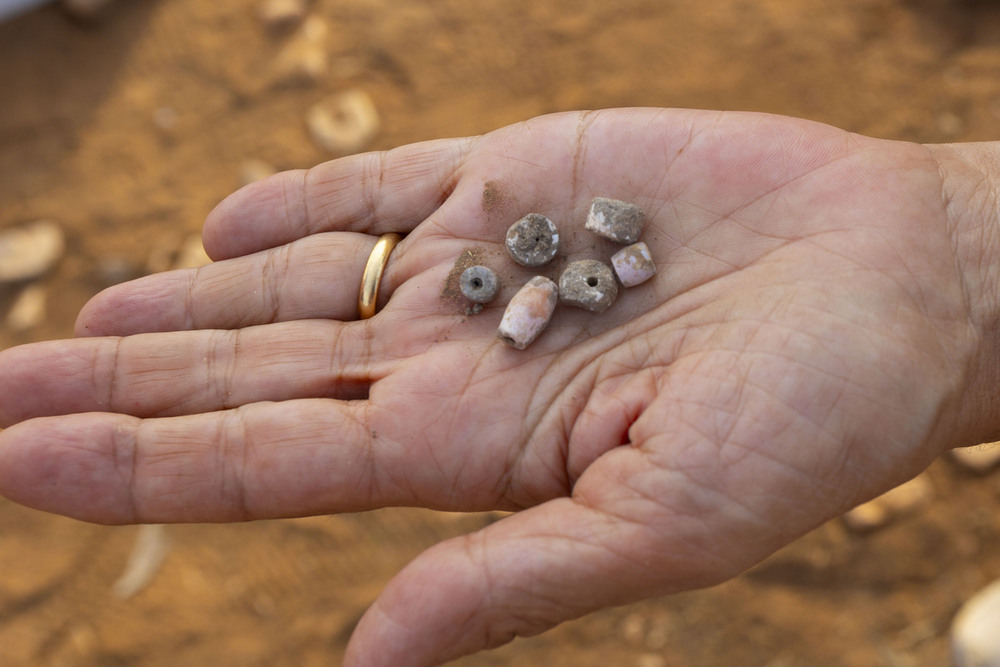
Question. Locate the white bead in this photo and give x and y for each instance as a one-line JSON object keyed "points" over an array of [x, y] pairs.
{"points": [[528, 313]]}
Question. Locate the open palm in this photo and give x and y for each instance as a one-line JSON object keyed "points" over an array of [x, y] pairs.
{"points": [[805, 345]]}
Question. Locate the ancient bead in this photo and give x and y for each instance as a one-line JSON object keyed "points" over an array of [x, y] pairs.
{"points": [[616, 220], [479, 284], [588, 284], [528, 313], [633, 264], [533, 240]]}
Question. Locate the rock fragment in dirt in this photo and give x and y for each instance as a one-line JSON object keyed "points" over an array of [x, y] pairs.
{"points": [[891, 505], [304, 59], [975, 631], [148, 553], [344, 123], [254, 170], [633, 628], [278, 15], [980, 459], [528, 313], [651, 632], [28, 310], [29, 251]]}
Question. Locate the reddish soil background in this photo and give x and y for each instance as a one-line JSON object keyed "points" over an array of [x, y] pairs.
{"points": [[127, 129]]}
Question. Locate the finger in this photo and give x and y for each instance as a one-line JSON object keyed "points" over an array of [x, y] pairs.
{"points": [[264, 460], [186, 372], [523, 575], [374, 193], [315, 277]]}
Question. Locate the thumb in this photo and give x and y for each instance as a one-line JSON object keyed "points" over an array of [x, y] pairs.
{"points": [[521, 576]]}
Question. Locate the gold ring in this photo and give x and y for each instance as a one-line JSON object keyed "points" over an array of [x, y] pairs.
{"points": [[372, 277]]}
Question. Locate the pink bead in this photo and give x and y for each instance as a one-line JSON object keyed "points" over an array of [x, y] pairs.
{"points": [[528, 313], [634, 264]]}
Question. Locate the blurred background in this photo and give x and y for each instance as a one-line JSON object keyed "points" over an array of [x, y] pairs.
{"points": [[123, 122]]}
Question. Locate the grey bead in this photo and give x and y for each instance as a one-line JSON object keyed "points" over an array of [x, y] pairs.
{"points": [[616, 220], [533, 240], [588, 284], [479, 284]]}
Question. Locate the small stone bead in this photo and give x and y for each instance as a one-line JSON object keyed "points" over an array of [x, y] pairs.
{"points": [[633, 264], [479, 284], [528, 313], [533, 240], [588, 284], [616, 220]]}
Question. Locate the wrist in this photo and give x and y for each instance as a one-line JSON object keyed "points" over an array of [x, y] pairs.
{"points": [[970, 178]]}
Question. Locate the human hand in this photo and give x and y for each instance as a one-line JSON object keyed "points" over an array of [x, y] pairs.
{"points": [[816, 334]]}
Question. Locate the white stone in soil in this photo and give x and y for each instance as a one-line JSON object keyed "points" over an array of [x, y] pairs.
{"points": [[28, 310], [981, 458], [891, 505], [281, 14], [30, 251], [975, 631], [304, 59], [344, 123]]}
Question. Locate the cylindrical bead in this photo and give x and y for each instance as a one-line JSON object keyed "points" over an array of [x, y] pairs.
{"points": [[616, 220], [633, 264], [528, 313]]}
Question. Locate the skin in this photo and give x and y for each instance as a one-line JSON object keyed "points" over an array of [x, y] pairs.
{"points": [[822, 326]]}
